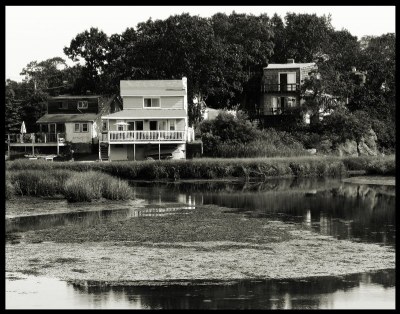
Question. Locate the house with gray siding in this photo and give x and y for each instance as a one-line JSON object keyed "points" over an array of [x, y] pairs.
{"points": [[280, 87], [76, 119]]}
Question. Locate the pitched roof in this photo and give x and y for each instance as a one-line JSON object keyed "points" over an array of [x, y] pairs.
{"points": [[75, 96], [152, 88], [289, 65], [53, 118], [147, 114]]}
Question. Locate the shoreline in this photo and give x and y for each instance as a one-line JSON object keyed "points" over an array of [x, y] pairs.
{"points": [[28, 209], [372, 180]]}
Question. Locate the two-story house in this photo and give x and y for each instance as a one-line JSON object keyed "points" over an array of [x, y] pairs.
{"points": [[76, 120], [281, 88], [153, 122]]}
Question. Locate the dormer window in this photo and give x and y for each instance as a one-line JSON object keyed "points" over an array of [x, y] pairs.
{"points": [[82, 104], [63, 105], [151, 102]]}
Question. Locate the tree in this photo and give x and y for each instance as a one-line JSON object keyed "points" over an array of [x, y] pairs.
{"points": [[91, 46], [12, 116], [343, 125], [46, 75], [306, 35], [244, 45], [279, 39]]}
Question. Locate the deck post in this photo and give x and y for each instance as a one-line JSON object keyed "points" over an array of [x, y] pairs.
{"points": [[134, 151], [58, 144], [109, 149], [45, 137], [8, 145], [33, 143]]}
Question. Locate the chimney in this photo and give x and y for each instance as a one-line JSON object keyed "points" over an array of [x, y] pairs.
{"points": [[184, 83], [290, 60]]}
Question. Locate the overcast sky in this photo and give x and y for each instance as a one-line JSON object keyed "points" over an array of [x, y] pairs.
{"points": [[41, 32]]}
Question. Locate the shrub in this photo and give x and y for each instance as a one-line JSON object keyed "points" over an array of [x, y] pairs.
{"points": [[38, 183], [83, 187], [92, 185], [10, 189]]}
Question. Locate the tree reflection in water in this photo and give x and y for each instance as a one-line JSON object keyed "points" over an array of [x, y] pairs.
{"points": [[309, 293]]}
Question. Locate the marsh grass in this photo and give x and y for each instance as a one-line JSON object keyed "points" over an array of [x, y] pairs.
{"points": [[75, 186], [92, 185], [217, 168], [38, 183]]}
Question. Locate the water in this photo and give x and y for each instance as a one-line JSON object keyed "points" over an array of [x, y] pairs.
{"points": [[356, 212]]}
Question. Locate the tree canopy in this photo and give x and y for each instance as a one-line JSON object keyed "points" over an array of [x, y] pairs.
{"points": [[222, 57]]}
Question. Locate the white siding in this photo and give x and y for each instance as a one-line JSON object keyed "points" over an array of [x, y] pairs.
{"points": [[130, 102], [172, 102], [118, 153], [78, 137], [180, 125]]}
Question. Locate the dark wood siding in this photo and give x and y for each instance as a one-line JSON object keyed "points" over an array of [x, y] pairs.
{"points": [[72, 106]]}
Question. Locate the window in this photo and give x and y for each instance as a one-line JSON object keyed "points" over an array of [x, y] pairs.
{"points": [[172, 125], [291, 102], [82, 104], [139, 125], [151, 102], [274, 105], [287, 81], [81, 127], [153, 125], [120, 125], [163, 125], [131, 125], [63, 105], [104, 126]]}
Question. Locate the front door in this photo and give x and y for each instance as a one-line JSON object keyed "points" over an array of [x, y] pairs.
{"points": [[52, 132], [283, 81]]}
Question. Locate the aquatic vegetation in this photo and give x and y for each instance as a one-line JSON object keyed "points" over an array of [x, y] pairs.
{"points": [[75, 186], [92, 185], [217, 168]]}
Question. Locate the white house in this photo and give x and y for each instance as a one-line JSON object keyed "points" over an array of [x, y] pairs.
{"points": [[153, 122]]}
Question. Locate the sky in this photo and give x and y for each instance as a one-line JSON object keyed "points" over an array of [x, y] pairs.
{"points": [[37, 33]]}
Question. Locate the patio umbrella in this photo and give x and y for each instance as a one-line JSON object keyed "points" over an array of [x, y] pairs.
{"points": [[23, 128], [22, 131]]}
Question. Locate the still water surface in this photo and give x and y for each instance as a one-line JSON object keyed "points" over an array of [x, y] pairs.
{"points": [[343, 210]]}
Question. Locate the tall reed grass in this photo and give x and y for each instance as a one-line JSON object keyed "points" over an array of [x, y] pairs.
{"points": [[75, 186], [92, 185], [209, 168]]}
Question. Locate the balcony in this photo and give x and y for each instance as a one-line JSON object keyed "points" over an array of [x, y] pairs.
{"points": [[280, 88], [144, 136], [36, 138]]}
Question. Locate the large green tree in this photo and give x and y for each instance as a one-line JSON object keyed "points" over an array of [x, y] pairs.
{"points": [[90, 46]]}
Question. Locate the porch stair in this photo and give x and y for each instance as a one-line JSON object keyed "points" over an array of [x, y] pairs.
{"points": [[103, 153]]}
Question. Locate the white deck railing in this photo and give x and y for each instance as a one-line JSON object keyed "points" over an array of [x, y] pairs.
{"points": [[146, 136]]}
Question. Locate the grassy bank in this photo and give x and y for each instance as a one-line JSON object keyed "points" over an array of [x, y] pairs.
{"points": [[209, 168], [74, 186]]}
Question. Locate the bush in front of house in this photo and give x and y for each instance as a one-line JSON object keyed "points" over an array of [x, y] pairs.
{"points": [[230, 136]]}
